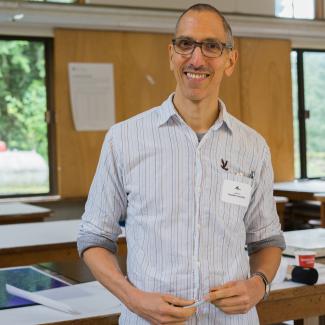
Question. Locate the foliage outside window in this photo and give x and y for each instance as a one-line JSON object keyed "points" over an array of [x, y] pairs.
{"points": [[309, 112], [24, 160]]}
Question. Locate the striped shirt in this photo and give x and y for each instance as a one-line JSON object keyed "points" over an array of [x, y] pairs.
{"points": [[166, 185]]}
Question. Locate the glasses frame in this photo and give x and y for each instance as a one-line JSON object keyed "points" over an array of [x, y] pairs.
{"points": [[200, 44]]}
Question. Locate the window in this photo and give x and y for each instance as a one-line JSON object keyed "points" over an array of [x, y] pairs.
{"points": [[295, 9], [308, 77], [25, 158], [54, 1]]}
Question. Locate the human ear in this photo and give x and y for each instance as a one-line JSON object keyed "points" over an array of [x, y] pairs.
{"points": [[231, 63]]}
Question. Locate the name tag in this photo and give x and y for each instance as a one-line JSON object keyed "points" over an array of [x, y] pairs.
{"points": [[236, 193]]}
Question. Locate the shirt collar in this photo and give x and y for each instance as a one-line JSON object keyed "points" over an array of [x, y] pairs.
{"points": [[168, 110], [223, 118]]}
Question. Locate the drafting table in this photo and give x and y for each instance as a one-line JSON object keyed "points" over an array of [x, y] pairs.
{"points": [[17, 212], [31, 243], [287, 301], [301, 190]]}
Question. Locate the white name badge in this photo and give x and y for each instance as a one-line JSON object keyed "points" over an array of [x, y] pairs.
{"points": [[236, 193]]}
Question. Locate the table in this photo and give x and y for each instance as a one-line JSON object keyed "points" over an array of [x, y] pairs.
{"points": [[31, 243], [280, 202], [286, 301], [321, 197], [305, 240], [300, 190], [294, 303], [22, 212]]}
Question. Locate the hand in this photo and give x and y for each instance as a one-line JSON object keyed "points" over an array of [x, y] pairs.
{"points": [[238, 297], [161, 308]]}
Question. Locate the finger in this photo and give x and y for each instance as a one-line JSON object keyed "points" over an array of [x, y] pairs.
{"points": [[242, 309], [222, 294], [228, 284], [176, 301], [230, 302], [177, 313]]}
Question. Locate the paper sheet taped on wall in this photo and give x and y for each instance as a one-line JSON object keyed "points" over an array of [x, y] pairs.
{"points": [[92, 95]]}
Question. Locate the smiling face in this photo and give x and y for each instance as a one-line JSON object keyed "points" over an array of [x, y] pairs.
{"points": [[199, 77]]}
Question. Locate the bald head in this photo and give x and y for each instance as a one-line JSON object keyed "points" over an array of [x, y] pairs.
{"points": [[201, 7]]}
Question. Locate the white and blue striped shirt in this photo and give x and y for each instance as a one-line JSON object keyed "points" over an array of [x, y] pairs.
{"points": [[182, 238]]}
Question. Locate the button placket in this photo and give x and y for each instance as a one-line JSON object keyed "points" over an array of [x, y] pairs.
{"points": [[198, 188]]}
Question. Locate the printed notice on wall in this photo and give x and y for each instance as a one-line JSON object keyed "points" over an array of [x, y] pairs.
{"points": [[92, 95]]}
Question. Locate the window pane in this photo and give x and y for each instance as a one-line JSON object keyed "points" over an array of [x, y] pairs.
{"points": [[24, 167], [304, 9], [57, 1], [295, 9], [295, 113], [314, 78], [284, 8]]}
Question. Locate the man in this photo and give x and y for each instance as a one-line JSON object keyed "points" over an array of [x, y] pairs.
{"points": [[193, 185]]}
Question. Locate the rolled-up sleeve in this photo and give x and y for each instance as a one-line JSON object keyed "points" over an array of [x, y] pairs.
{"points": [[107, 201], [263, 228]]}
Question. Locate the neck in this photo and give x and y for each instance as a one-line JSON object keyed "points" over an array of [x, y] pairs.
{"points": [[198, 115]]}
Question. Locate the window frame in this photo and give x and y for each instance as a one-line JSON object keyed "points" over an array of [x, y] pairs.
{"points": [[302, 112], [50, 115]]}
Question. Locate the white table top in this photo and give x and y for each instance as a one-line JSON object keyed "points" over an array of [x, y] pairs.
{"points": [[303, 186], [90, 299], [38, 233], [280, 199], [14, 208], [309, 239]]}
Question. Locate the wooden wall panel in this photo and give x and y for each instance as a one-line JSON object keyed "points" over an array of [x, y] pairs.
{"points": [[135, 56], [266, 102], [259, 93], [230, 89], [147, 79]]}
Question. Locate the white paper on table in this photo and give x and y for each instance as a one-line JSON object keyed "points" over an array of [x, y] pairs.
{"points": [[90, 299], [92, 95]]}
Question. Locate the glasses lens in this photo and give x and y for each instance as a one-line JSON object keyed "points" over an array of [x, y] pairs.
{"points": [[183, 46], [212, 49]]}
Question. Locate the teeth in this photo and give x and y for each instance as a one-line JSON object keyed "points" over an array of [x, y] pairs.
{"points": [[196, 75]]}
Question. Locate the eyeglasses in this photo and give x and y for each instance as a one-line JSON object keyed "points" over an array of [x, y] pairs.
{"points": [[210, 49]]}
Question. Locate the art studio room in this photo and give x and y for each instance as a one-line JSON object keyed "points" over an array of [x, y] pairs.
{"points": [[162, 162]]}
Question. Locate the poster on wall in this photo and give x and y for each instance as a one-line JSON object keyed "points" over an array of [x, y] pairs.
{"points": [[92, 95]]}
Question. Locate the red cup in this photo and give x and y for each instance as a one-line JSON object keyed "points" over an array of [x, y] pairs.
{"points": [[305, 258]]}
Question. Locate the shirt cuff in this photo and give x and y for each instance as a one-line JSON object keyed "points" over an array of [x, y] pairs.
{"points": [[273, 241], [87, 241]]}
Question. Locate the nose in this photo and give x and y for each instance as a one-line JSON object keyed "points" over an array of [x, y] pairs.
{"points": [[197, 57]]}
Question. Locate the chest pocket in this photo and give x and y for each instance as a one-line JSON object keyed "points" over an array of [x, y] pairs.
{"points": [[235, 190]]}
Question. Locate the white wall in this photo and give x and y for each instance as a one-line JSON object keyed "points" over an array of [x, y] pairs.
{"points": [[255, 7], [41, 20]]}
